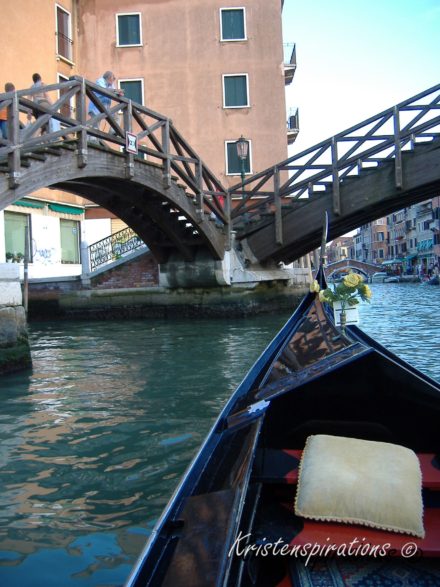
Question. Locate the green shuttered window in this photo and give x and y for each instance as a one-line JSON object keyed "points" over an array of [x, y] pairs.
{"points": [[15, 228], [132, 90], [233, 163], [129, 29], [69, 241], [235, 89], [232, 24]]}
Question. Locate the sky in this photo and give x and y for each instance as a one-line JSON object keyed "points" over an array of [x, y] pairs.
{"points": [[357, 58]]}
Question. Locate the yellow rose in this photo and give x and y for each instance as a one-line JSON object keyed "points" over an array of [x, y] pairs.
{"points": [[367, 292], [314, 286], [352, 280], [322, 297]]}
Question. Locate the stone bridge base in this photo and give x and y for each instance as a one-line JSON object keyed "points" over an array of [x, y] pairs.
{"points": [[238, 268], [158, 302], [138, 288], [14, 347]]}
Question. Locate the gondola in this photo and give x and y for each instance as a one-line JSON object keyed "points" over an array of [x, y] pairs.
{"points": [[233, 512]]}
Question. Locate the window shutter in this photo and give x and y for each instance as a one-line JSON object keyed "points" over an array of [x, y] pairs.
{"points": [[129, 29], [232, 24], [132, 90], [234, 163], [63, 33], [235, 90]]}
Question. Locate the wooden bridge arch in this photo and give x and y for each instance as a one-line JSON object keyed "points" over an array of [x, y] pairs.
{"points": [[165, 219], [164, 192]]}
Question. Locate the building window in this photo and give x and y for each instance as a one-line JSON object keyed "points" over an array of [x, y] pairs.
{"points": [[235, 91], [69, 230], [232, 24], [128, 29], [63, 33], [16, 225], [233, 163], [133, 89]]}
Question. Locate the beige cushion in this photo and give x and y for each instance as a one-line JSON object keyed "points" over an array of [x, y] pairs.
{"points": [[360, 482]]}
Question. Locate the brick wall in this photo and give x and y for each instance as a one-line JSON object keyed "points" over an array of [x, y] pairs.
{"points": [[140, 272]]}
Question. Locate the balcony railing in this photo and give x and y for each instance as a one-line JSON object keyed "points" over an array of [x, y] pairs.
{"points": [[289, 62], [292, 126], [64, 46]]}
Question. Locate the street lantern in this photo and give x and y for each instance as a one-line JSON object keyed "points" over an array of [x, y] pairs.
{"points": [[242, 153]]}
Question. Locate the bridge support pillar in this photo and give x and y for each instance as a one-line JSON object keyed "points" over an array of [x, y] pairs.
{"points": [[203, 271], [236, 269]]}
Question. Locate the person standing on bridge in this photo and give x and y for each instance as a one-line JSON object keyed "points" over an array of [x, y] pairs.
{"points": [[40, 97], [9, 87], [106, 81]]}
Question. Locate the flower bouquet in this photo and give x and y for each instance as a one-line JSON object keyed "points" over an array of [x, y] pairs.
{"points": [[345, 294]]}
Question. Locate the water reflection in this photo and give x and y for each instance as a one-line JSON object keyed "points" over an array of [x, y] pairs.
{"points": [[95, 439]]}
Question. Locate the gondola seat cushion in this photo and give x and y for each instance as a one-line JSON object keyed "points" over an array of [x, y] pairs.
{"points": [[365, 482]]}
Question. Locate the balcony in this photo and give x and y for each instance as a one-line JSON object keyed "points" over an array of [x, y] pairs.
{"points": [[289, 62], [292, 126], [423, 209]]}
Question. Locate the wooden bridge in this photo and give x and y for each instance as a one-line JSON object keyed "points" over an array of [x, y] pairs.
{"points": [[345, 265], [383, 164], [173, 201], [164, 191]]}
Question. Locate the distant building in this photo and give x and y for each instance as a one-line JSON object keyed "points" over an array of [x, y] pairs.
{"points": [[370, 242], [435, 227], [339, 249], [407, 240]]}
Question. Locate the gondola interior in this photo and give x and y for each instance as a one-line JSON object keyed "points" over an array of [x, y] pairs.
{"points": [[240, 490]]}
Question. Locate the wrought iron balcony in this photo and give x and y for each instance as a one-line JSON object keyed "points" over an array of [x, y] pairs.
{"points": [[289, 62], [292, 126]]}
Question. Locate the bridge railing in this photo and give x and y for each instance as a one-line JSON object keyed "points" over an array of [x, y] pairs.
{"points": [[113, 247], [34, 123], [368, 144]]}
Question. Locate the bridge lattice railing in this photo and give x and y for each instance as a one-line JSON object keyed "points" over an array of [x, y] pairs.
{"points": [[113, 247], [32, 125], [369, 143]]}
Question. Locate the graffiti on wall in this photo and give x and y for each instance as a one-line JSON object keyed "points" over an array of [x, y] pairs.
{"points": [[44, 255]]}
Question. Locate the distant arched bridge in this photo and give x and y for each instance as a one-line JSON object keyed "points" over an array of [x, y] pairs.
{"points": [[365, 269], [177, 205]]}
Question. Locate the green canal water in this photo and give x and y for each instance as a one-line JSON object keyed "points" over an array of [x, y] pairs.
{"points": [[94, 440]]}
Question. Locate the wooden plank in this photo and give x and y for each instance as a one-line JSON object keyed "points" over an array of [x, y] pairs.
{"points": [[397, 149], [278, 209], [82, 134], [335, 176], [14, 156]]}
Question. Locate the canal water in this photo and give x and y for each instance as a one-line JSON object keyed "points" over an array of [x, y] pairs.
{"points": [[94, 440]]}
